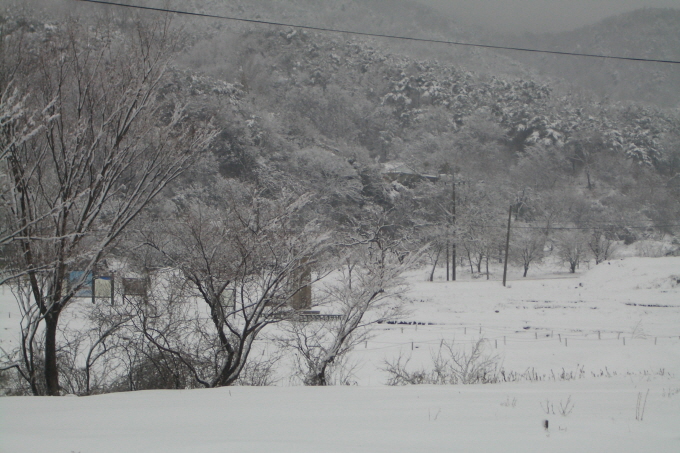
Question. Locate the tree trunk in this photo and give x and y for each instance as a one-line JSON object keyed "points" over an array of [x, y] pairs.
{"points": [[51, 368], [453, 224], [572, 267], [434, 266], [318, 376]]}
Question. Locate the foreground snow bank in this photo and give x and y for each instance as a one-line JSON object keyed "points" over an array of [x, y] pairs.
{"points": [[599, 416]]}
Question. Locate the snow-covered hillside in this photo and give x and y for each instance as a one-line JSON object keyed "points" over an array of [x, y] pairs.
{"points": [[596, 355]]}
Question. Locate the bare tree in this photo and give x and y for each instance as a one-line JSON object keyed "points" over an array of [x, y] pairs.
{"points": [[528, 248], [111, 144], [601, 244], [20, 121], [573, 248], [242, 263], [363, 292]]}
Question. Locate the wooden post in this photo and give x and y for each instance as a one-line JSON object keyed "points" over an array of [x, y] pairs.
{"points": [[507, 247], [447, 260], [453, 224]]}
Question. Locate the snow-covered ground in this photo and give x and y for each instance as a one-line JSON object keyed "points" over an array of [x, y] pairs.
{"points": [[613, 331]]}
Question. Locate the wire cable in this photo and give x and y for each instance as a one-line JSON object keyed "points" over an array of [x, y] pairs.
{"points": [[590, 227], [379, 35]]}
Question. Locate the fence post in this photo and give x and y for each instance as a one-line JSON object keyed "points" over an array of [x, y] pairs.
{"points": [[507, 247]]}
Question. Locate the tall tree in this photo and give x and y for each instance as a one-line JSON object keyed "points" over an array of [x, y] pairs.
{"points": [[111, 144]]}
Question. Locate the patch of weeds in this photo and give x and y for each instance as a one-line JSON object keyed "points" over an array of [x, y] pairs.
{"points": [[549, 409], [604, 373], [450, 365], [567, 407], [564, 408], [433, 417], [638, 331], [509, 403], [531, 375], [670, 392], [641, 406]]}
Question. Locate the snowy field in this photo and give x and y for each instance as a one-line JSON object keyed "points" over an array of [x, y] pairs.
{"points": [[598, 353]]}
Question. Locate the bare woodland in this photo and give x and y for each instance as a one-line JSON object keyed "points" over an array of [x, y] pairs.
{"points": [[245, 186]]}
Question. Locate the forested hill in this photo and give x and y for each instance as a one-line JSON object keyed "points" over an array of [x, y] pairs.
{"points": [[327, 110], [355, 99], [646, 33]]}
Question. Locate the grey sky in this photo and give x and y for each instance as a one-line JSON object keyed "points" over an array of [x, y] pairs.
{"points": [[541, 15]]}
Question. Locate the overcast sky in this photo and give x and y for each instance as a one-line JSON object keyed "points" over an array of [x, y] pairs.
{"points": [[541, 15]]}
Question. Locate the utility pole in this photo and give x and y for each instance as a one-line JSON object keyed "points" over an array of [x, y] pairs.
{"points": [[507, 247], [453, 225]]}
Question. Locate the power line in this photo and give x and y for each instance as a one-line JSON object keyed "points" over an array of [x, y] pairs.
{"points": [[590, 227], [598, 227], [379, 35]]}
